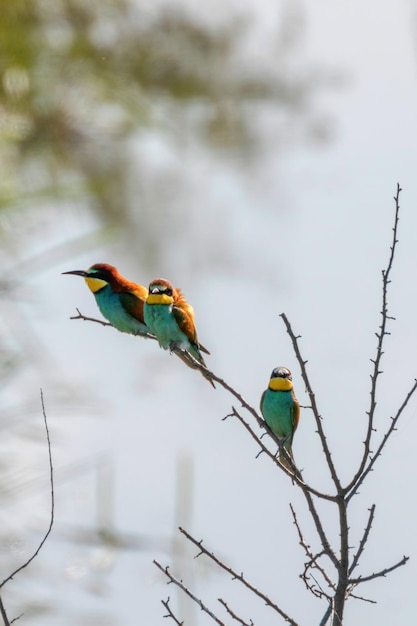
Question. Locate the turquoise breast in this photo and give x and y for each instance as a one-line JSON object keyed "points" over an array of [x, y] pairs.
{"points": [[111, 308], [161, 322]]}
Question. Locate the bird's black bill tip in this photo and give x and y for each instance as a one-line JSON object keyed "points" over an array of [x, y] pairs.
{"points": [[76, 273]]}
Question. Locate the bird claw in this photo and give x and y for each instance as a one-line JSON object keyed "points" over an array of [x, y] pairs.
{"points": [[174, 347]]}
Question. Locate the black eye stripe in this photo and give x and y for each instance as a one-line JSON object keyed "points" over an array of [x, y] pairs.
{"points": [[164, 290], [98, 274]]}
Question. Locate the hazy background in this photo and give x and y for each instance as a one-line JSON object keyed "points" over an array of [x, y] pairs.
{"points": [[250, 155]]}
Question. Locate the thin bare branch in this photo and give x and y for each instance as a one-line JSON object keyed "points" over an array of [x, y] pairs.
{"points": [[51, 521], [191, 362], [234, 393], [383, 572], [170, 612], [380, 334], [80, 316], [353, 595], [302, 363], [181, 585], [391, 429], [364, 539], [232, 614], [235, 576]]}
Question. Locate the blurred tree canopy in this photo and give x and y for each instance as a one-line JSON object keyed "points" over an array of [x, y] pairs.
{"points": [[78, 80]]}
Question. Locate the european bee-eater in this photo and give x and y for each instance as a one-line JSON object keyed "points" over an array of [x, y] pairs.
{"points": [[169, 316], [119, 300], [281, 409]]}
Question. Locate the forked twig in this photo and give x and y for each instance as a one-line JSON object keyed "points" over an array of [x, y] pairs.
{"points": [[80, 316], [170, 612]]}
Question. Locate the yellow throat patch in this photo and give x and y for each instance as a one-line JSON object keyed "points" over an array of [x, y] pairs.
{"points": [[95, 284], [280, 384], [159, 298]]}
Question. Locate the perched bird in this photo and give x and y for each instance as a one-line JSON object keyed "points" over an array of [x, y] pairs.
{"points": [[281, 409], [169, 316], [119, 300]]}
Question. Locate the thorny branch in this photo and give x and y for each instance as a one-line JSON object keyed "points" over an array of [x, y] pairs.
{"points": [[391, 429], [235, 576], [364, 539], [376, 371], [383, 572], [233, 614], [302, 363], [180, 584], [349, 594]]}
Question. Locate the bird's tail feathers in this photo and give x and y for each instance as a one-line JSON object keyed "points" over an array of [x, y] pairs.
{"points": [[285, 454]]}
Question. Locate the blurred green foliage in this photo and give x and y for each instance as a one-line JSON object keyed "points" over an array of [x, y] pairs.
{"points": [[78, 80]]}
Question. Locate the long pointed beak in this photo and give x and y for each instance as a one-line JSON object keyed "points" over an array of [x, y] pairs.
{"points": [[77, 273], [155, 290]]}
